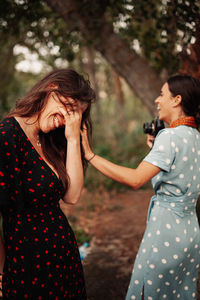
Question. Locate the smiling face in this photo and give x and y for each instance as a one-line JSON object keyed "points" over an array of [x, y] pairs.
{"points": [[51, 117], [165, 104]]}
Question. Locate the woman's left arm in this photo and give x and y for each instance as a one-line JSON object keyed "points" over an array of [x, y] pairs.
{"points": [[74, 167]]}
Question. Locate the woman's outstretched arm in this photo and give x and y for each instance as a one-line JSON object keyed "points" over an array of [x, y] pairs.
{"points": [[131, 177]]}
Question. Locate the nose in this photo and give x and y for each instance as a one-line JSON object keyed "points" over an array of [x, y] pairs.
{"points": [[156, 100]]}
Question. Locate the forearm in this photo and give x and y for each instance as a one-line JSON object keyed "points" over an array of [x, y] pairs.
{"points": [[134, 178], [2, 254], [74, 170], [118, 173]]}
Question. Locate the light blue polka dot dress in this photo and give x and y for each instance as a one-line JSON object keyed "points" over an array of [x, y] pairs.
{"points": [[168, 260]]}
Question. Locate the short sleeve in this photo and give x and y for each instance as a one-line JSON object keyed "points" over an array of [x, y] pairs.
{"points": [[162, 154]]}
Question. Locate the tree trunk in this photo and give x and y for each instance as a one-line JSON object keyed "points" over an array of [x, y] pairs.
{"points": [[141, 78]]}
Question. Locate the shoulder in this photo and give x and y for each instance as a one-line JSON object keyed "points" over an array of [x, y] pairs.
{"points": [[8, 130]]}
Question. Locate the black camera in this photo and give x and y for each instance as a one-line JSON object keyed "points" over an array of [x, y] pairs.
{"points": [[153, 127]]}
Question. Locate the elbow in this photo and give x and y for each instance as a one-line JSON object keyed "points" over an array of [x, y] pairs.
{"points": [[72, 199], [135, 185]]}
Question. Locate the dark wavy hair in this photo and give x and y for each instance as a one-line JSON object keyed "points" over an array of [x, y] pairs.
{"points": [[189, 89], [68, 83]]}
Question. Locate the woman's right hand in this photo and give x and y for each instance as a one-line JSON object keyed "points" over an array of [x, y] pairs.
{"points": [[85, 143], [150, 140]]}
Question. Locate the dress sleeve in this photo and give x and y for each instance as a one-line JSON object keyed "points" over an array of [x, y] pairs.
{"points": [[162, 154], [10, 181]]}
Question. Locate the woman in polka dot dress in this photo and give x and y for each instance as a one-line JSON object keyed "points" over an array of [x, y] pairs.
{"points": [[166, 266], [41, 162]]}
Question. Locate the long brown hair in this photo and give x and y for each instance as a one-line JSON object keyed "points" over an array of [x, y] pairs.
{"points": [[67, 83]]}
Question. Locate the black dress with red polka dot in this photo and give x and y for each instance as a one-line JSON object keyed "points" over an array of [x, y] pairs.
{"points": [[42, 258]]}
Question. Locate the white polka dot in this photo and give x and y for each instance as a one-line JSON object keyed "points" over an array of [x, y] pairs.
{"points": [[193, 150], [139, 266], [180, 282], [178, 239], [189, 222], [192, 260], [194, 279], [149, 282], [197, 266], [196, 246], [137, 282], [189, 185], [185, 158], [160, 276], [171, 271], [188, 273], [158, 290], [185, 141], [185, 249], [178, 191], [186, 288], [149, 298], [149, 234], [168, 226], [194, 177], [172, 144], [186, 208], [155, 250], [172, 204], [177, 149], [164, 261], [158, 232], [154, 219], [191, 167], [175, 256], [173, 167], [144, 250], [167, 283], [193, 200], [133, 297], [178, 295], [185, 231], [189, 193], [168, 161], [167, 193], [195, 229], [193, 295], [166, 244], [164, 296], [174, 291], [191, 240], [198, 152], [181, 176], [195, 160], [177, 221], [161, 147], [151, 266]]}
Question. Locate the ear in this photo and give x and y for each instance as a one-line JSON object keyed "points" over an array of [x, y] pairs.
{"points": [[177, 100]]}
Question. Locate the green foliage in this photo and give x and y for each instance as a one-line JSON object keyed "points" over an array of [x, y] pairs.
{"points": [[118, 137], [81, 235]]}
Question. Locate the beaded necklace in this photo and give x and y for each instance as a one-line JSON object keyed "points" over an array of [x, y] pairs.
{"points": [[188, 121]]}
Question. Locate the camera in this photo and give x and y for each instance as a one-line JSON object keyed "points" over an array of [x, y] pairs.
{"points": [[153, 127]]}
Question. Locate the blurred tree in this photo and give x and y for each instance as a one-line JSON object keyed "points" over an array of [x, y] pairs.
{"points": [[141, 40]]}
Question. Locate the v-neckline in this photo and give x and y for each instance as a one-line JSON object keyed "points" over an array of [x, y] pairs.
{"points": [[38, 154]]}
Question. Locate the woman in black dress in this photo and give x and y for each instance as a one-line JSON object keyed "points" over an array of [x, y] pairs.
{"points": [[41, 162]]}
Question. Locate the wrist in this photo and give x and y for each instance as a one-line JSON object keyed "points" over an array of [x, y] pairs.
{"points": [[90, 157]]}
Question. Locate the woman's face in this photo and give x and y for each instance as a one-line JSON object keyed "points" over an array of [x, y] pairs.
{"points": [[51, 117], [164, 104]]}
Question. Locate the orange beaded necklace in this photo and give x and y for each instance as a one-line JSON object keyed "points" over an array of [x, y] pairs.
{"points": [[188, 121]]}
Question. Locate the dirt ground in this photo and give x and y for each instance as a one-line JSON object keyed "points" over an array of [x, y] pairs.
{"points": [[116, 223]]}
